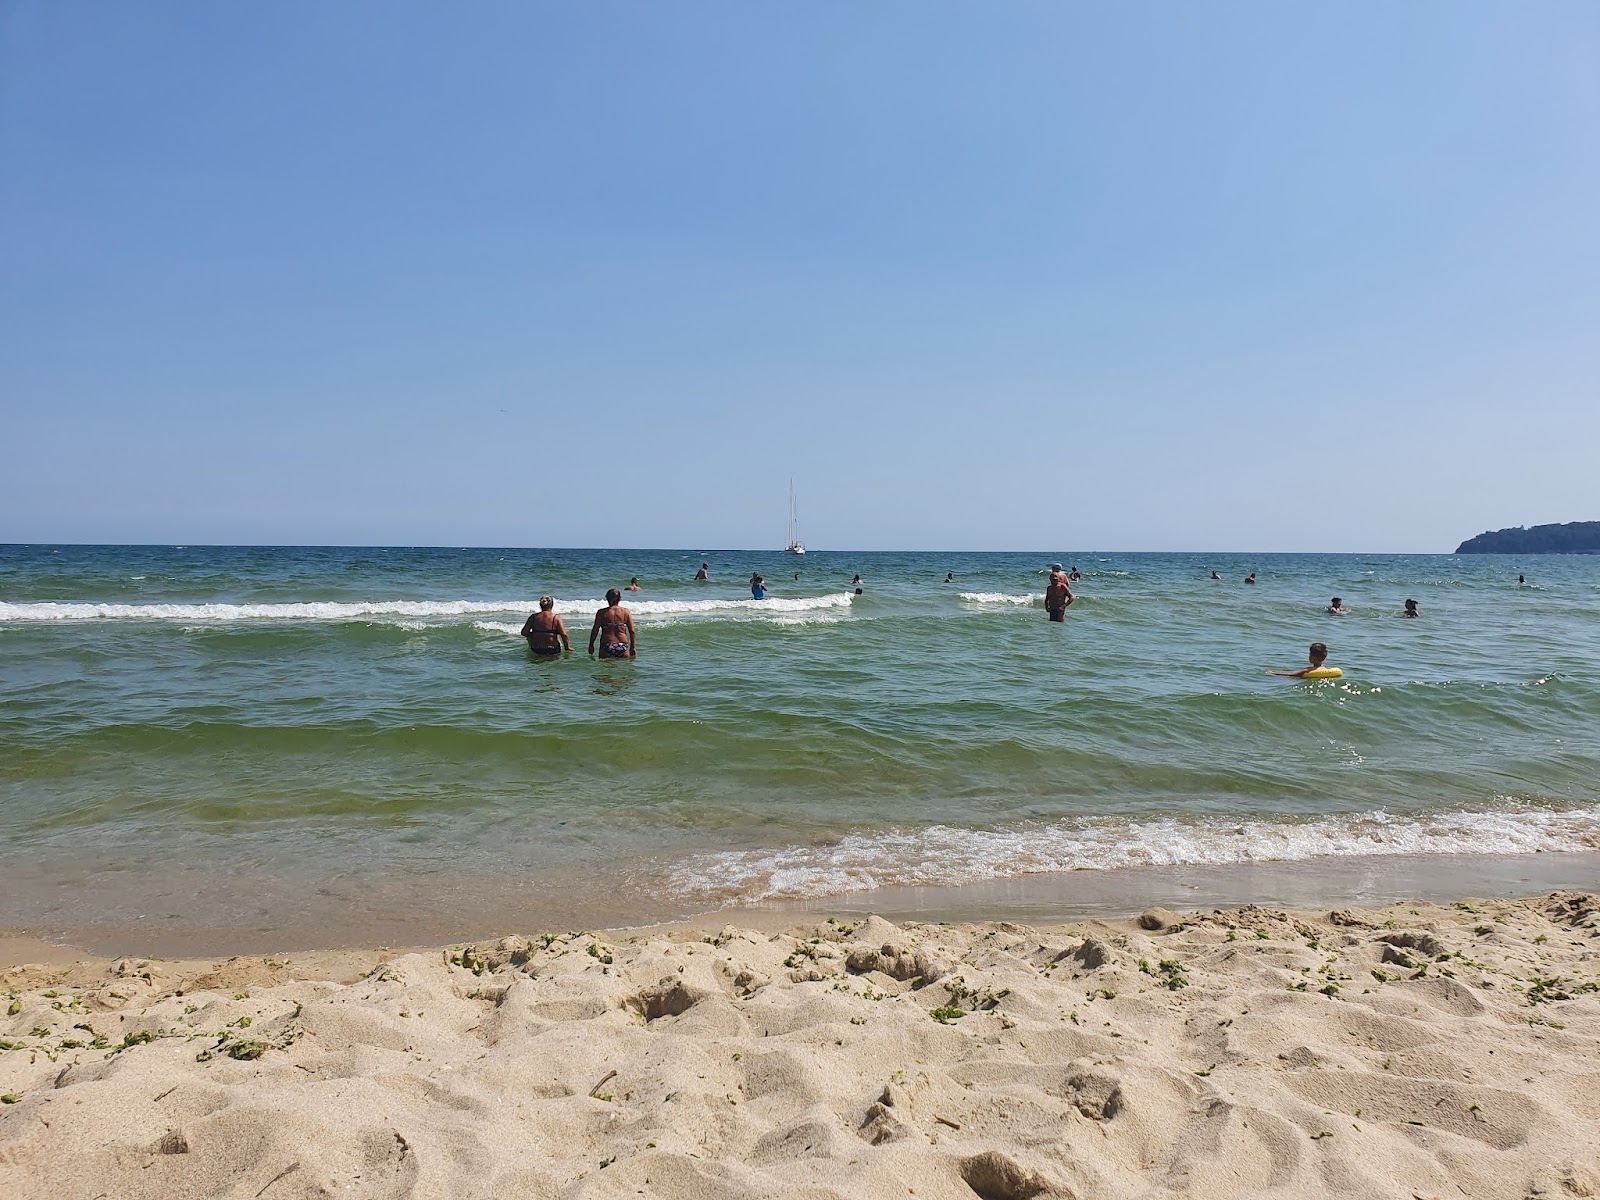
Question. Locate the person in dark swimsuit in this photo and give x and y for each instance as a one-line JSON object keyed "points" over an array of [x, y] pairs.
{"points": [[1057, 596], [545, 631], [613, 625]]}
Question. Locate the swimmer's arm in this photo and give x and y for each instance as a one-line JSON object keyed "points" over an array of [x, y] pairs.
{"points": [[1300, 674], [633, 638], [594, 631], [561, 628], [527, 626]]}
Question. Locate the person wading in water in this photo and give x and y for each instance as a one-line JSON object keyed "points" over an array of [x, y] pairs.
{"points": [[613, 625]]}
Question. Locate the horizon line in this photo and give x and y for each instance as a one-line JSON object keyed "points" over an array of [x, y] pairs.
{"points": [[285, 545]]}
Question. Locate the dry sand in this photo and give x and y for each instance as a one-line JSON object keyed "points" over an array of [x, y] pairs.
{"points": [[1416, 1051]]}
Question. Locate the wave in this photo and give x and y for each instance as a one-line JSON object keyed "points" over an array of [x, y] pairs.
{"points": [[947, 855], [997, 598], [409, 610]]}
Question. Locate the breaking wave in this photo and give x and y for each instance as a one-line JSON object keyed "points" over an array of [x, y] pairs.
{"points": [[946, 855], [401, 611]]}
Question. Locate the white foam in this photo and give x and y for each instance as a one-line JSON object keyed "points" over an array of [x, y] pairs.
{"points": [[945, 855], [330, 610], [996, 598]]}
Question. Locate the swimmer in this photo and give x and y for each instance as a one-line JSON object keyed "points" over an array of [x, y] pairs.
{"points": [[546, 633], [633, 585], [858, 591], [1074, 577], [1250, 578], [1522, 580], [1411, 609], [1214, 575], [758, 587], [855, 581], [701, 576], [1336, 607], [1057, 596], [613, 625], [949, 576], [1319, 652]]}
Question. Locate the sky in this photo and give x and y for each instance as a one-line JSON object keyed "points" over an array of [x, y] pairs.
{"points": [[1166, 276]]}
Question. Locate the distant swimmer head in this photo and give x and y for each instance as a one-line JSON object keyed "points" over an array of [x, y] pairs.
{"points": [[858, 591], [613, 596], [1411, 608], [1318, 653], [547, 601]]}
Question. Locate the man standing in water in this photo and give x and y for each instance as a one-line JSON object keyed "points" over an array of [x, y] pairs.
{"points": [[613, 625], [545, 631], [700, 576], [1058, 595]]}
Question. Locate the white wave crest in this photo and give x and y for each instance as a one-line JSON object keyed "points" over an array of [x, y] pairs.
{"points": [[332, 610], [946, 855], [996, 598]]}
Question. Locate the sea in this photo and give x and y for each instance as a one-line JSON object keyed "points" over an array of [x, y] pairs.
{"points": [[230, 748]]}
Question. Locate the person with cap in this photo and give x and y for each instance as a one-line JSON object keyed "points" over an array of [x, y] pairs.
{"points": [[1058, 595], [546, 633]]}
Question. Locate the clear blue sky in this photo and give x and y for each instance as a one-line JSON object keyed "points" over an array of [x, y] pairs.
{"points": [[1157, 276]]}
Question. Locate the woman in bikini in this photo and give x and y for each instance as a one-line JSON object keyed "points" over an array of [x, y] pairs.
{"points": [[544, 629], [613, 625]]}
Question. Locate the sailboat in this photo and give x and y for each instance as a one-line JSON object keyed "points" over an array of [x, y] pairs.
{"points": [[795, 546]]}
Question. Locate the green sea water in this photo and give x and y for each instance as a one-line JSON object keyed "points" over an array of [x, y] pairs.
{"points": [[258, 739]]}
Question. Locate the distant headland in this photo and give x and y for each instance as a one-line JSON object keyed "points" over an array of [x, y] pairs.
{"points": [[1575, 537]]}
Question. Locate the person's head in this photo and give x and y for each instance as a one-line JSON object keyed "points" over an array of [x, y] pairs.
{"points": [[1055, 566], [1336, 603], [613, 596], [1411, 605], [858, 591], [703, 566], [1318, 653], [547, 602], [634, 579]]}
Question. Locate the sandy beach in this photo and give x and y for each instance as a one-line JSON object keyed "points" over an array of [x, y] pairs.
{"points": [[1418, 1050]]}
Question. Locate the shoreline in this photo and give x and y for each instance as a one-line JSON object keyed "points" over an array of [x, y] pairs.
{"points": [[384, 913], [1414, 1049]]}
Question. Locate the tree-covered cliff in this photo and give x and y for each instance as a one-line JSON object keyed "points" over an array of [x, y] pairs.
{"points": [[1575, 537]]}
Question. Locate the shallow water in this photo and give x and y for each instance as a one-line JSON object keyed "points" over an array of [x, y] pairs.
{"points": [[217, 737]]}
